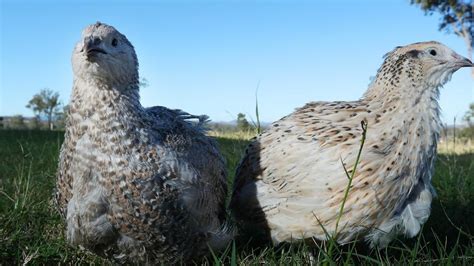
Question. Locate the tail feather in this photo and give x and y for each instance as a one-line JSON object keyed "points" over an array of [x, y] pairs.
{"points": [[173, 114]]}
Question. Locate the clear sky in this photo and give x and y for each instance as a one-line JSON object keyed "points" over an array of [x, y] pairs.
{"points": [[207, 57]]}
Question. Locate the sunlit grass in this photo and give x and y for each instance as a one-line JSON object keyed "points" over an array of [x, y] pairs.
{"points": [[236, 135], [461, 146]]}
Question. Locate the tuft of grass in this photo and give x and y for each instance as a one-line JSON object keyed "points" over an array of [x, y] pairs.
{"points": [[257, 114], [350, 177], [31, 231]]}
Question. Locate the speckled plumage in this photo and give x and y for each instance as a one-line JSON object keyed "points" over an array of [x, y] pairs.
{"points": [[291, 179], [136, 185]]}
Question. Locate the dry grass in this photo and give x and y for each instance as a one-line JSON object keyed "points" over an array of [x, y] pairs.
{"points": [[461, 146], [236, 135]]}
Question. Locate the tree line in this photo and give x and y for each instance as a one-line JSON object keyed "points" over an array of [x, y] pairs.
{"points": [[49, 113]]}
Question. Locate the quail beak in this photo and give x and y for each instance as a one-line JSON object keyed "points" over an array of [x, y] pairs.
{"points": [[463, 62], [92, 48]]}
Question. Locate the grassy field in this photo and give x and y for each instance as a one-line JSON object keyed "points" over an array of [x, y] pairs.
{"points": [[32, 232]]}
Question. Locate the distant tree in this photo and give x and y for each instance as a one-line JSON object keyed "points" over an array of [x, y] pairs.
{"points": [[34, 123], [457, 17], [242, 123], [17, 122], [61, 116], [469, 118], [143, 83], [46, 103]]}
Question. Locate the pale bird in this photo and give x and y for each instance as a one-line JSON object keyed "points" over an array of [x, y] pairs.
{"points": [[290, 183], [136, 185]]}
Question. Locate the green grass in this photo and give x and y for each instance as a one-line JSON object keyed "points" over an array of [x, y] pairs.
{"points": [[31, 230]]}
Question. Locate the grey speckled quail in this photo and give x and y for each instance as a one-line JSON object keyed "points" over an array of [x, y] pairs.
{"points": [[292, 175], [136, 185]]}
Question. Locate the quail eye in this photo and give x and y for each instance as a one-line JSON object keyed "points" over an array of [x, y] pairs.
{"points": [[114, 42], [433, 52]]}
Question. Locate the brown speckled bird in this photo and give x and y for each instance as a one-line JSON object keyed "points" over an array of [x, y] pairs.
{"points": [[137, 185], [291, 181]]}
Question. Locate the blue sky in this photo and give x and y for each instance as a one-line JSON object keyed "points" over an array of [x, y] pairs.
{"points": [[207, 57]]}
